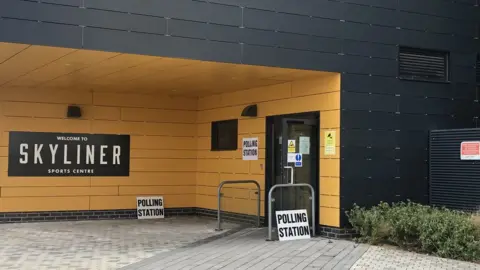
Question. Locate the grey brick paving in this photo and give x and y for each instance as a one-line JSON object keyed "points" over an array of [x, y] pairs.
{"points": [[109, 244], [249, 250]]}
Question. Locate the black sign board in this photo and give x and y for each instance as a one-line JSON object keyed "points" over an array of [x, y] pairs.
{"points": [[68, 154]]}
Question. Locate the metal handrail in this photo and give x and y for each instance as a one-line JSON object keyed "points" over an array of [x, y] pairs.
{"points": [[270, 205], [219, 228]]}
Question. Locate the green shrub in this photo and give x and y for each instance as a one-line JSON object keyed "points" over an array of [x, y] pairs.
{"points": [[443, 232]]}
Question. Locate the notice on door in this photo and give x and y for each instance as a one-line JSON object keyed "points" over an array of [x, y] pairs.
{"points": [[150, 207], [250, 149], [470, 151], [304, 147], [329, 143], [291, 146], [292, 225]]}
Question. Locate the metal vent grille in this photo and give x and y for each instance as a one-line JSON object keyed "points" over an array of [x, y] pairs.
{"points": [[419, 64], [478, 69], [454, 183]]}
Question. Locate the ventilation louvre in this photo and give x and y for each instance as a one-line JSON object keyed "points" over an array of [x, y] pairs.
{"points": [[419, 64]]}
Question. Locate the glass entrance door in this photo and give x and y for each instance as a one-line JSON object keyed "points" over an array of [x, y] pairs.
{"points": [[293, 135]]}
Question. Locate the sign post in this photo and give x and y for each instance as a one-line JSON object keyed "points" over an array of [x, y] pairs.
{"points": [[293, 225]]}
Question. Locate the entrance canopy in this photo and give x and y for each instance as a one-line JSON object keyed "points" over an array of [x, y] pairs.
{"points": [[24, 65]]}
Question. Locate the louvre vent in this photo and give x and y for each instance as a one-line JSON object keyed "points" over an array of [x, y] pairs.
{"points": [[419, 64], [477, 71]]}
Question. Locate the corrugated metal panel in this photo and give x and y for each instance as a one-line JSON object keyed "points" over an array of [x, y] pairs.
{"points": [[454, 183]]}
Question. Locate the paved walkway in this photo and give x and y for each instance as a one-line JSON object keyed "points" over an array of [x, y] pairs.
{"points": [[189, 243], [248, 249], [96, 244]]}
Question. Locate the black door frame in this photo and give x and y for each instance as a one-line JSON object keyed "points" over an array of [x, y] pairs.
{"points": [[270, 160]]}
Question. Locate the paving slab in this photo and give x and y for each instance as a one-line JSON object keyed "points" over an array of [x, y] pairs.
{"points": [[106, 244], [393, 258]]}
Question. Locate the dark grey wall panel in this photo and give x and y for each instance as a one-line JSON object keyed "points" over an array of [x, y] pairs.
{"points": [[29, 32], [103, 39], [178, 9], [79, 16], [75, 3]]}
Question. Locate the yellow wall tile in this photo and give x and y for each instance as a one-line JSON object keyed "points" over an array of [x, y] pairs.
{"points": [[27, 204], [330, 186], [56, 191], [330, 216], [329, 201], [106, 113]]}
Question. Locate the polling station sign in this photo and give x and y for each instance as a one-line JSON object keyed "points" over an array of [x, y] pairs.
{"points": [[250, 149], [150, 207], [292, 225], [68, 154]]}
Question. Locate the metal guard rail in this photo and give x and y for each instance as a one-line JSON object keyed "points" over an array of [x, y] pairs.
{"points": [[270, 205], [219, 209]]}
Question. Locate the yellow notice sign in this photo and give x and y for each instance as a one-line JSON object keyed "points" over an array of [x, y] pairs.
{"points": [[291, 146], [330, 143]]}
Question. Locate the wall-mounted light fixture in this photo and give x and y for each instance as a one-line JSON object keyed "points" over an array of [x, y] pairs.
{"points": [[74, 111], [250, 111]]}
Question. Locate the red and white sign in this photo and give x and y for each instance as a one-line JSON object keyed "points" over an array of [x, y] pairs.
{"points": [[470, 151]]}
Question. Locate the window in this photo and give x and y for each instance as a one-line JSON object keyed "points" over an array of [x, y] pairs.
{"points": [[224, 135], [419, 64], [477, 71]]}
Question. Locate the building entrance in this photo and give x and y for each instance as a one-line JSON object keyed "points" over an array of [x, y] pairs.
{"points": [[292, 148]]}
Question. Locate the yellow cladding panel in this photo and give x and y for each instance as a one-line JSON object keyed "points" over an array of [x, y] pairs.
{"points": [[330, 119], [330, 167], [260, 179], [144, 101], [162, 165], [6, 181], [320, 102], [207, 154], [330, 216], [172, 154], [3, 151], [129, 202], [147, 179], [209, 179], [106, 113], [204, 129], [34, 109], [249, 126], [329, 201], [257, 166], [156, 190], [324, 84], [336, 156], [30, 59], [46, 125], [8, 50], [141, 128], [26, 204], [261, 94], [54, 96], [162, 142], [158, 115], [56, 191], [223, 165], [330, 186]]}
